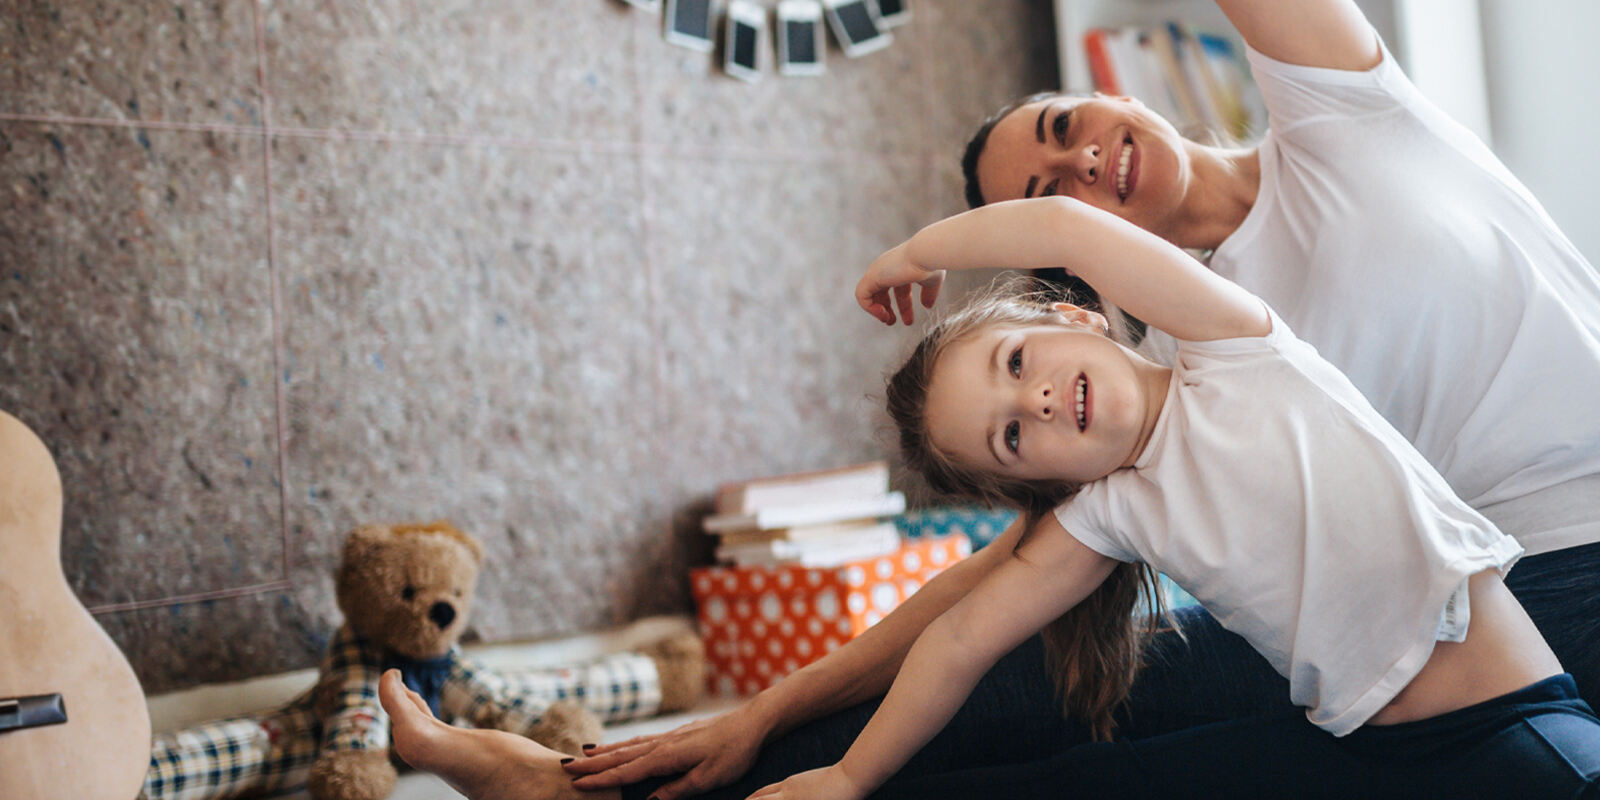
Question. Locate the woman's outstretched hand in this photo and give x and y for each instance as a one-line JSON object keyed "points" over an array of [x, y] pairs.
{"points": [[826, 783], [708, 753], [893, 273]]}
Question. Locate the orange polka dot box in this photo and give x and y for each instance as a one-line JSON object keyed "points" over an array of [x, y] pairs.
{"points": [[762, 623]]}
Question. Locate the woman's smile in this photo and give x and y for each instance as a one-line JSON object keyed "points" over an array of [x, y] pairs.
{"points": [[1127, 167]]}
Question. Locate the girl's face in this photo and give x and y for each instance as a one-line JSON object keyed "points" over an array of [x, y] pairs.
{"points": [[1054, 401], [1110, 152]]}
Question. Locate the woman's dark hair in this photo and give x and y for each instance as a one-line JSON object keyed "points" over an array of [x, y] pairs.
{"points": [[1094, 650], [980, 139]]}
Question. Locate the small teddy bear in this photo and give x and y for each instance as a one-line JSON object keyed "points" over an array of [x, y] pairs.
{"points": [[406, 592]]}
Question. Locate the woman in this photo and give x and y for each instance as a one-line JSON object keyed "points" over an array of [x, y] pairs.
{"points": [[1430, 277]]}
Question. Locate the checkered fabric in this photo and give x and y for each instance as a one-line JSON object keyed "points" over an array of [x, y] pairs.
{"points": [[347, 695], [233, 757], [617, 688], [274, 751]]}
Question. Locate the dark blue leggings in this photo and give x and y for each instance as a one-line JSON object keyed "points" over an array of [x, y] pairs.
{"points": [[1012, 718], [1539, 742]]}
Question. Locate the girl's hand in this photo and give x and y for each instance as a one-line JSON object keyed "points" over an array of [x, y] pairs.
{"points": [[827, 783], [708, 753], [893, 273]]}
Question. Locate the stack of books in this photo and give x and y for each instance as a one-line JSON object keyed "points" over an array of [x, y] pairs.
{"points": [[808, 519], [1199, 81]]}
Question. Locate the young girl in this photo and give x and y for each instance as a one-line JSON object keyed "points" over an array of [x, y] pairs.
{"points": [[1257, 477]]}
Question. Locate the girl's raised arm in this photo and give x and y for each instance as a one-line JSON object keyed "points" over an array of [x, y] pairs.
{"points": [[1147, 276], [1048, 574]]}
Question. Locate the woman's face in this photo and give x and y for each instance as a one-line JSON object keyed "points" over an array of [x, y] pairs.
{"points": [[1056, 401], [1110, 152]]}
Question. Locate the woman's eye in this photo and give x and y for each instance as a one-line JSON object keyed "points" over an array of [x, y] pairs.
{"points": [[1059, 127], [1051, 188], [1015, 363], [1013, 436]]}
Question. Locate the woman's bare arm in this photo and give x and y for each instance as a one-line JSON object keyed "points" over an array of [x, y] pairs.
{"points": [[717, 752], [1314, 33]]}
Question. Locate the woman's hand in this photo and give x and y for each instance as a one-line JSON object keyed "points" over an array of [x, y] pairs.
{"points": [[893, 273], [827, 783], [708, 753]]}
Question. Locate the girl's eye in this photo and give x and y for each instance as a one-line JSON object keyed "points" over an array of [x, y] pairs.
{"points": [[1014, 364], [1059, 127], [1051, 188], [1013, 436]]}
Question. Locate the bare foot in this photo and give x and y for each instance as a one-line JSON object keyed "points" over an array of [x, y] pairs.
{"points": [[481, 764]]}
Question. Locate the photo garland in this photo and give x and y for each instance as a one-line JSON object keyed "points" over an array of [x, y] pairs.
{"points": [[859, 27]]}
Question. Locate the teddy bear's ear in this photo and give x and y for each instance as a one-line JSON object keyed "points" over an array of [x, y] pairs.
{"points": [[364, 541], [466, 539]]}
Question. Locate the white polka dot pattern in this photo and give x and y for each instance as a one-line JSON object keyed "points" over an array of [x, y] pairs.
{"points": [[762, 623]]}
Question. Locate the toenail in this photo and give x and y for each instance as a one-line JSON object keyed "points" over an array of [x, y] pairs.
{"points": [[568, 760], [588, 747]]}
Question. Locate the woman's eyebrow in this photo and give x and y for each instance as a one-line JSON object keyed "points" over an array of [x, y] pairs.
{"points": [[1038, 125]]}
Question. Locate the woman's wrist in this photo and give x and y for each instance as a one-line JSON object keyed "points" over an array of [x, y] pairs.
{"points": [[768, 713]]}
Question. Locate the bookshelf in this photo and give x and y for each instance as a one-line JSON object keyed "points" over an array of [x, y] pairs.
{"points": [[1439, 43]]}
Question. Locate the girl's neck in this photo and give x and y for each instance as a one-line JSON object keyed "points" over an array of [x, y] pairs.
{"points": [[1155, 381], [1222, 189]]}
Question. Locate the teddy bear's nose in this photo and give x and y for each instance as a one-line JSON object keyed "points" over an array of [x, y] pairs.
{"points": [[442, 614]]}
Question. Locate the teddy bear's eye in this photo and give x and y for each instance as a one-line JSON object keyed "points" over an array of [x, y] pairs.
{"points": [[408, 593]]}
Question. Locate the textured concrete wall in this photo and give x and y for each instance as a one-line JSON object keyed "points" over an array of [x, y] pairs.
{"points": [[272, 269]]}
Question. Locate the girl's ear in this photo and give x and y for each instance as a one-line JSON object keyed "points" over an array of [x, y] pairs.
{"points": [[1074, 315]]}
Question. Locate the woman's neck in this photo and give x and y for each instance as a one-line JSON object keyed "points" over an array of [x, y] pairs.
{"points": [[1222, 189]]}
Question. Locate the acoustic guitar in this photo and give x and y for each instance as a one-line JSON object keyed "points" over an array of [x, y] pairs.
{"points": [[49, 645]]}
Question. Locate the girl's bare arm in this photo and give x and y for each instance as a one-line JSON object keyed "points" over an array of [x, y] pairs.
{"points": [[1144, 274], [1046, 576], [717, 752]]}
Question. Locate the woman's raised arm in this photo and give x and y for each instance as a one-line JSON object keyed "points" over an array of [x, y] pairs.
{"points": [[1314, 33]]}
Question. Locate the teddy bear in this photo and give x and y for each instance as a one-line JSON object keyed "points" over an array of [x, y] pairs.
{"points": [[406, 592]]}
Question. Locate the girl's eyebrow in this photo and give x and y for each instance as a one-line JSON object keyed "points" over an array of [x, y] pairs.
{"points": [[988, 431]]}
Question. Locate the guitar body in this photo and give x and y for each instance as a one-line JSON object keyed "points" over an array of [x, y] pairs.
{"points": [[50, 644]]}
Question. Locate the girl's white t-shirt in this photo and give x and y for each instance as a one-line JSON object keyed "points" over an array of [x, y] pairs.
{"points": [[1391, 239], [1274, 493]]}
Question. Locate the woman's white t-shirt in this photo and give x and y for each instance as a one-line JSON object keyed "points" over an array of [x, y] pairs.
{"points": [[1391, 239], [1274, 493]]}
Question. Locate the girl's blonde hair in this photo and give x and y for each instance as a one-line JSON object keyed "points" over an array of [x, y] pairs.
{"points": [[1094, 650]]}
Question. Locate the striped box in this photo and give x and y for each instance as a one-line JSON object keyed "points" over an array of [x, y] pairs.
{"points": [[762, 623]]}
